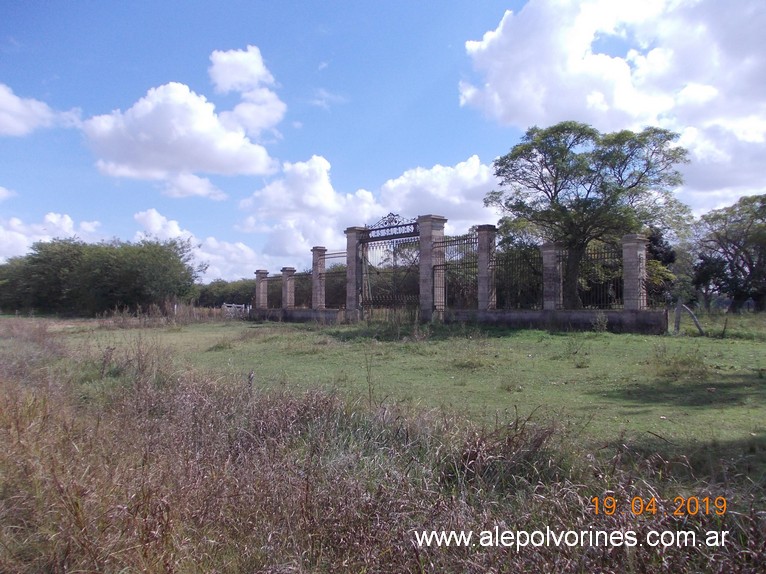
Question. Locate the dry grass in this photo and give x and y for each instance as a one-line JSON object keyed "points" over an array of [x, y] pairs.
{"points": [[172, 471]]}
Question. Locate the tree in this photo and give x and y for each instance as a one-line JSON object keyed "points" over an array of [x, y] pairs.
{"points": [[576, 185], [732, 257], [72, 277]]}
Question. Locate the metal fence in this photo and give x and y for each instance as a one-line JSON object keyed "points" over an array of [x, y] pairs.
{"points": [[600, 284], [274, 292], [302, 284], [518, 278], [334, 279], [391, 273], [459, 273]]}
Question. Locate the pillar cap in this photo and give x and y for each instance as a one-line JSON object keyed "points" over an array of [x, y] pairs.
{"points": [[486, 227], [288, 270], [319, 248], [432, 217], [261, 271], [636, 237]]}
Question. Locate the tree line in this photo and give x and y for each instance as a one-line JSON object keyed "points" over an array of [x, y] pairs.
{"points": [[568, 184], [71, 277], [572, 185]]}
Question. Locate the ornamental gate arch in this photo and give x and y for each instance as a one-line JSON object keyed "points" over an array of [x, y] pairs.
{"points": [[389, 259]]}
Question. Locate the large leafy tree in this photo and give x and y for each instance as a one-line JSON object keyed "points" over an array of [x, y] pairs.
{"points": [[576, 185], [732, 258], [72, 277]]}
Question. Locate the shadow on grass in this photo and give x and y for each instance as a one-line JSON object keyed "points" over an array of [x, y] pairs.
{"points": [[382, 331], [715, 390], [736, 465]]}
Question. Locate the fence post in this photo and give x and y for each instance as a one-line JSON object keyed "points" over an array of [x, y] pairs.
{"points": [[261, 289], [317, 277], [634, 272], [288, 287], [486, 271], [551, 277], [353, 273], [431, 230]]}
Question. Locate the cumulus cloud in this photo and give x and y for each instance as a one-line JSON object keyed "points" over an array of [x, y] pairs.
{"points": [[173, 134], [325, 99], [169, 131], [156, 225], [303, 209], [224, 259], [244, 71], [694, 66], [17, 237], [239, 70], [458, 191], [190, 185], [6, 193], [21, 116]]}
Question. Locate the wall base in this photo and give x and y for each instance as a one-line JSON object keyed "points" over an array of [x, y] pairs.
{"points": [[653, 322]]}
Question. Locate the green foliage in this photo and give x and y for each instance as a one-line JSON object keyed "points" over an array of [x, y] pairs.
{"points": [[70, 276], [218, 292], [732, 256], [575, 185]]}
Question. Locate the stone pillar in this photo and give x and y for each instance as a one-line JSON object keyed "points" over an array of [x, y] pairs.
{"points": [[288, 287], [317, 277], [261, 289], [486, 274], [353, 273], [431, 228], [551, 277], [634, 272]]}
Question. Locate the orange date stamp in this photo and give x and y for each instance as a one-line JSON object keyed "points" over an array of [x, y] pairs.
{"points": [[681, 506]]}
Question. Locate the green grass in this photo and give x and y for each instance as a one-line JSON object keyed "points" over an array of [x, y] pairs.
{"points": [[699, 396], [682, 388], [148, 449]]}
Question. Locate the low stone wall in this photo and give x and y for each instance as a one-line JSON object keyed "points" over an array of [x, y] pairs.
{"points": [[651, 322], [323, 316]]}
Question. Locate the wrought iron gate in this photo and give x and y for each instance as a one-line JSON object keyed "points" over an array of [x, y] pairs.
{"points": [[390, 259]]}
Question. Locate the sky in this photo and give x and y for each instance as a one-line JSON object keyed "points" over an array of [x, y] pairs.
{"points": [[259, 129]]}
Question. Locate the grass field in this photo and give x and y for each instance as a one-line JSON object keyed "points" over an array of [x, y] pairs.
{"points": [[346, 439]]}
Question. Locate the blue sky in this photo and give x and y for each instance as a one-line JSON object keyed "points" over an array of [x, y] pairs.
{"points": [[260, 129]]}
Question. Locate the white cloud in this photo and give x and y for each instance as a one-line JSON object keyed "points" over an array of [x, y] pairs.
{"points": [[325, 99], [260, 109], [302, 209], [21, 116], [6, 193], [169, 131], [173, 134], [456, 192], [190, 185], [693, 66], [225, 260], [156, 225], [239, 70], [244, 71], [17, 237]]}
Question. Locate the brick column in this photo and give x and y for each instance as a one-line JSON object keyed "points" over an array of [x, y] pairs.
{"points": [[551, 277], [431, 229], [261, 289], [353, 273], [288, 287], [486, 274], [634, 272], [317, 277]]}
